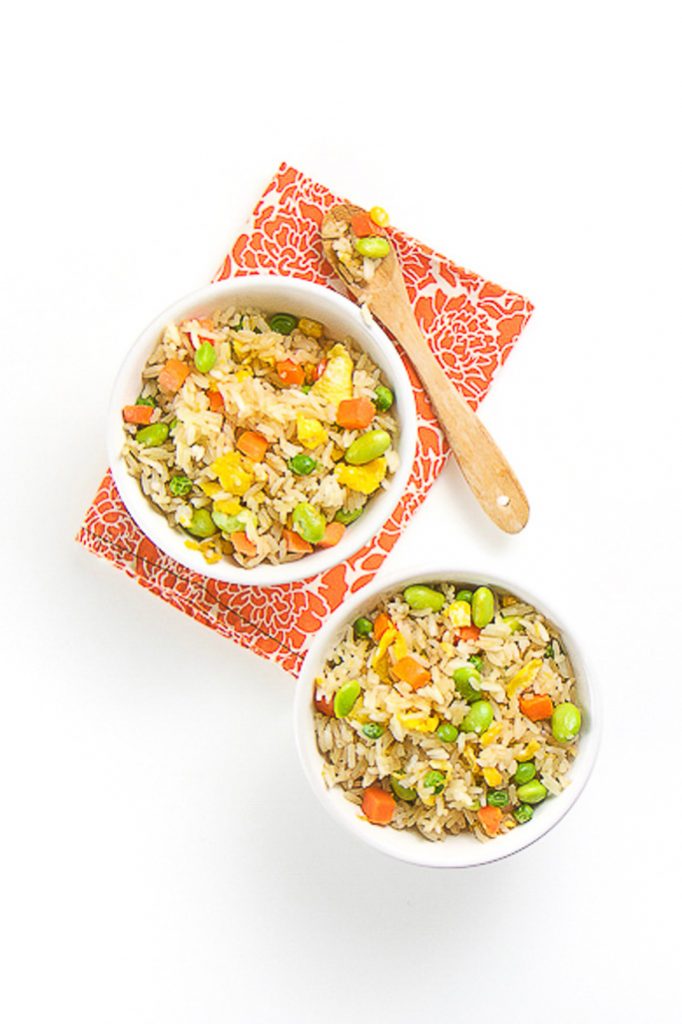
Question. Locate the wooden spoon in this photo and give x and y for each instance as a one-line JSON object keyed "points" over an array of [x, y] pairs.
{"points": [[485, 468]]}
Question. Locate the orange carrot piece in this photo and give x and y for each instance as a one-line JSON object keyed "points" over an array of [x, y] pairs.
{"points": [[468, 632], [243, 545], [410, 671], [381, 624], [491, 819], [333, 532], [140, 414], [215, 401], [355, 413], [173, 375], [325, 705], [362, 225], [253, 445], [378, 806], [296, 544], [536, 706], [290, 372]]}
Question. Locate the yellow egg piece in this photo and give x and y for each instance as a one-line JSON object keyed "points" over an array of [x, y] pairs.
{"points": [[336, 383], [364, 479], [419, 723], [229, 469], [524, 677], [492, 776], [310, 432], [459, 613]]}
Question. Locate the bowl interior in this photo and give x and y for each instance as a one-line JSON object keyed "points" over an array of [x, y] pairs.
{"points": [[272, 294], [454, 851]]}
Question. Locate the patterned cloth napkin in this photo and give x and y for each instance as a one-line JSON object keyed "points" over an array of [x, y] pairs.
{"points": [[471, 326]]}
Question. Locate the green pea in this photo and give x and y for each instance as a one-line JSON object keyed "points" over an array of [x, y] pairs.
{"points": [[524, 773], [532, 792], [283, 323], [368, 447], [205, 357], [383, 398], [308, 522], [362, 627], [566, 722], [180, 486], [302, 465], [482, 607], [373, 730], [421, 598], [477, 662], [153, 435], [447, 732], [373, 246], [342, 516], [497, 797], [467, 681], [345, 698], [201, 524], [435, 780], [402, 792], [523, 813], [147, 400], [478, 718], [464, 595]]}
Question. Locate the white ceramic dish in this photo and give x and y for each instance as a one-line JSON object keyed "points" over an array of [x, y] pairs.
{"points": [[272, 294], [455, 851]]}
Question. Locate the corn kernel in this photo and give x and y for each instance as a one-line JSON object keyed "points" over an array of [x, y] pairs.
{"points": [[529, 751], [379, 216], [313, 328], [491, 734], [492, 776]]}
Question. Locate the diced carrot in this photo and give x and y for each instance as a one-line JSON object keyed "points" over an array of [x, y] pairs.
{"points": [[362, 225], [468, 632], [173, 375], [215, 401], [355, 413], [253, 445], [243, 545], [332, 535], [491, 819], [325, 705], [296, 544], [378, 805], [290, 372], [138, 413], [381, 624], [536, 706], [410, 671]]}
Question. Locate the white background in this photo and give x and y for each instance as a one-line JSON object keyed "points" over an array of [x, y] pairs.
{"points": [[162, 858]]}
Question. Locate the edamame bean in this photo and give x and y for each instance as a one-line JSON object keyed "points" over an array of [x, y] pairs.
{"points": [[532, 792], [464, 595], [368, 447], [467, 681], [153, 435], [524, 773], [362, 627], [523, 813], [308, 522], [205, 357], [201, 524], [373, 246], [447, 732], [342, 516], [180, 486], [477, 662], [345, 698], [402, 792], [421, 598], [302, 465], [435, 780], [383, 398], [478, 718], [497, 797], [482, 607], [226, 523], [373, 730], [283, 323], [566, 722]]}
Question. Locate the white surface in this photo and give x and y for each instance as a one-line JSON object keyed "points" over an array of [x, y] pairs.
{"points": [[163, 859]]}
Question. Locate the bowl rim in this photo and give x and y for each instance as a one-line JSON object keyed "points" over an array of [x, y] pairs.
{"points": [[379, 510], [455, 851]]}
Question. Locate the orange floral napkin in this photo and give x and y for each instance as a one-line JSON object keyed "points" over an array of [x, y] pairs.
{"points": [[471, 326]]}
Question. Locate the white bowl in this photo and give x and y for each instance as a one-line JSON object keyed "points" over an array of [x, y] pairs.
{"points": [[455, 851], [272, 294]]}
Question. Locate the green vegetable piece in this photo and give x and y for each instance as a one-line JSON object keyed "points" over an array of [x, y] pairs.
{"points": [[228, 524], [302, 465], [497, 797], [201, 524], [373, 246], [477, 662], [447, 732], [308, 522], [173, 424], [566, 722], [306, 388], [532, 792], [205, 357], [482, 607], [434, 780], [467, 681], [368, 447], [345, 698], [478, 718], [283, 323], [383, 398], [422, 598], [525, 771], [147, 400], [342, 516], [362, 627], [464, 595], [180, 485], [513, 622], [153, 435], [373, 730], [549, 650], [239, 326], [402, 792], [523, 813]]}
